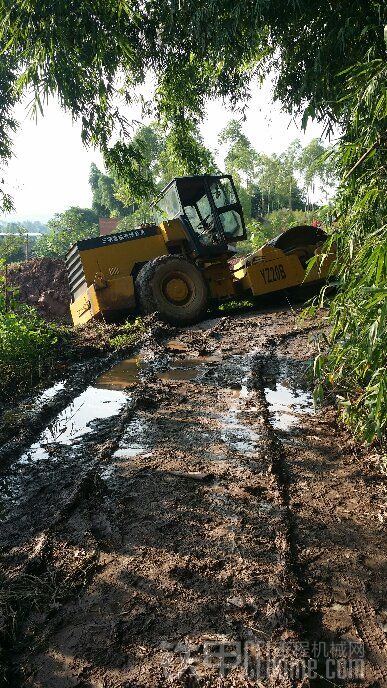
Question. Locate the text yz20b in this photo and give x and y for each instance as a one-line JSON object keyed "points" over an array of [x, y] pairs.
{"points": [[273, 274]]}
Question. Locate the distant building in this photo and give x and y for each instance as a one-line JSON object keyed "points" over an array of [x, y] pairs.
{"points": [[35, 235], [108, 225]]}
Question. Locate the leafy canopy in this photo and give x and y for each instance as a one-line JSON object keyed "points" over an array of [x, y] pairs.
{"points": [[64, 229], [94, 53]]}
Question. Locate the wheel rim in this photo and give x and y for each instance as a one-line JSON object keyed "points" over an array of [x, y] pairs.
{"points": [[178, 289]]}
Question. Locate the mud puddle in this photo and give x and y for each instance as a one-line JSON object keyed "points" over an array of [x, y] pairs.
{"points": [[184, 369], [49, 394], [76, 420], [128, 372], [287, 393], [59, 441], [124, 374], [238, 435], [286, 403]]}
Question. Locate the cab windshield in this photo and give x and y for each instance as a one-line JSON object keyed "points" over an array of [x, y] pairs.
{"points": [[203, 219], [210, 205]]}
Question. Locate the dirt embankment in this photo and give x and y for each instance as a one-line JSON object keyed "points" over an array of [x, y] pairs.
{"points": [[190, 520], [42, 283]]}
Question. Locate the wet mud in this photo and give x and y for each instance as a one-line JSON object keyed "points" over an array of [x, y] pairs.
{"points": [[187, 517]]}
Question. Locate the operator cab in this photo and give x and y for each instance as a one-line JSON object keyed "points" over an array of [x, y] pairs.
{"points": [[209, 208]]}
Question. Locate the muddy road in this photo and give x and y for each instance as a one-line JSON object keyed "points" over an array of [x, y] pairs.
{"points": [[188, 518]]}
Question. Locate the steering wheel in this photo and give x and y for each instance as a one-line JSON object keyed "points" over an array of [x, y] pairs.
{"points": [[207, 228]]}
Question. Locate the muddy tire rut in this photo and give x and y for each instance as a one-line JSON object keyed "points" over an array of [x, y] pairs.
{"points": [[206, 527]]}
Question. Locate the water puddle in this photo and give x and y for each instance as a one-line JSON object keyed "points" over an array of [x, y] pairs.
{"points": [[285, 404], [236, 434], [49, 394], [176, 345], [124, 374], [138, 439], [75, 421], [186, 369]]}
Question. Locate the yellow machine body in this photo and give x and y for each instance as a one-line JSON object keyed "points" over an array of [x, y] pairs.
{"points": [[177, 266], [104, 268], [270, 269], [108, 264]]}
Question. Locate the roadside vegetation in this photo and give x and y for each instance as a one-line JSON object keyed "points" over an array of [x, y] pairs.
{"points": [[354, 362], [33, 350], [29, 346]]}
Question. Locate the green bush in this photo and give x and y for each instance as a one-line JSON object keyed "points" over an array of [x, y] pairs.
{"points": [[284, 218], [355, 361], [128, 333], [28, 344]]}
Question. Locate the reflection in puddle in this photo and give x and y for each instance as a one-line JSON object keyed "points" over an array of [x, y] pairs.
{"points": [[74, 421], [238, 435], [124, 374], [285, 404], [49, 394], [127, 373]]}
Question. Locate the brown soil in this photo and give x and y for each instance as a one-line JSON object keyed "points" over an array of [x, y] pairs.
{"points": [[42, 283], [204, 534]]}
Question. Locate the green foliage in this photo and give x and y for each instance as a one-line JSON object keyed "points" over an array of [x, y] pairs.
{"points": [[241, 159], [8, 98], [12, 247], [64, 230], [259, 233], [355, 361], [284, 218], [270, 182], [162, 156], [317, 165], [105, 202], [129, 333], [277, 183], [86, 53], [28, 344]]}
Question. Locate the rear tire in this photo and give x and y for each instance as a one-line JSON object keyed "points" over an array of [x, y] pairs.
{"points": [[172, 287]]}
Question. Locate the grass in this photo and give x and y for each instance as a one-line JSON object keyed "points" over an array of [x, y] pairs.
{"points": [[33, 350]]}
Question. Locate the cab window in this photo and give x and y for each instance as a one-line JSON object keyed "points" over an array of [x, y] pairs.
{"points": [[222, 192], [232, 224]]}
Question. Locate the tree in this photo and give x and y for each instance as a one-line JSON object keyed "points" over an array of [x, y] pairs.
{"points": [[241, 158], [65, 229], [162, 158], [105, 202], [240, 161], [83, 55], [8, 125], [12, 247], [317, 165], [277, 183]]}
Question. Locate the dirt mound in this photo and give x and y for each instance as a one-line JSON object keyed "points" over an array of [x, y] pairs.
{"points": [[42, 283]]}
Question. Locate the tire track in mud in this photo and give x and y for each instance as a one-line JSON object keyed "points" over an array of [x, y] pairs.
{"points": [[183, 512], [344, 596]]}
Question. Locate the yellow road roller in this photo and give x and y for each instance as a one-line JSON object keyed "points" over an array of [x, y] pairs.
{"points": [[185, 262]]}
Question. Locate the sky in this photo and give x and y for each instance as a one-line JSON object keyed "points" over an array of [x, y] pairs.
{"points": [[50, 167]]}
